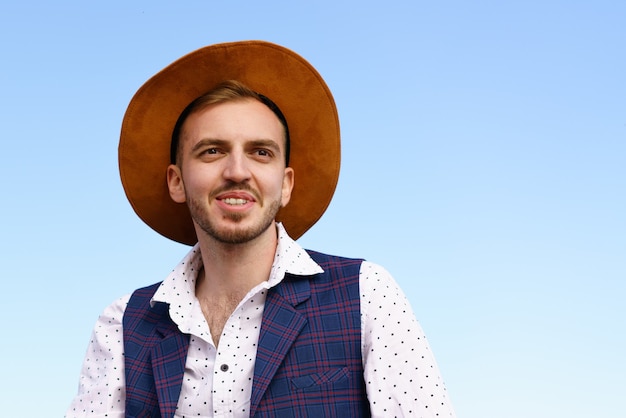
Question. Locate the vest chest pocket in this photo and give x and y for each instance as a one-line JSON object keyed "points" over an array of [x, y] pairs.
{"points": [[313, 381]]}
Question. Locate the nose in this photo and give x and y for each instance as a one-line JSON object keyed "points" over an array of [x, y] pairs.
{"points": [[236, 168]]}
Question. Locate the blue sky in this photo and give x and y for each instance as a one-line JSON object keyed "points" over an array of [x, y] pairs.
{"points": [[484, 148]]}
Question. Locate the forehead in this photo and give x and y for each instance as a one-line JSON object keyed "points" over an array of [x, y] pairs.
{"points": [[240, 119]]}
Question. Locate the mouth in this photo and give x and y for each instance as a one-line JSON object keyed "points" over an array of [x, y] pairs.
{"points": [[233, 201], [238, 200]]}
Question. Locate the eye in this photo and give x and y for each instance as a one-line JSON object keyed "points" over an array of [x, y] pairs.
{"points": [[263, 153], [210, 153]]}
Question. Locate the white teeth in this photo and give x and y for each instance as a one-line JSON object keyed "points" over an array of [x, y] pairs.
{"points": [[234, 201]]}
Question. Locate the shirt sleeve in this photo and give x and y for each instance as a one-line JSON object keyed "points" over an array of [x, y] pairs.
{"points": [[401, 376], [101, 386]]}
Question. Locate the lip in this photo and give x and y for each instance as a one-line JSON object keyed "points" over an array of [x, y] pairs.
{"points": [[236, 195]]}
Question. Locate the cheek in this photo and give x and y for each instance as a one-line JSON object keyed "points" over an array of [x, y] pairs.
{"points": [[197, 176]]}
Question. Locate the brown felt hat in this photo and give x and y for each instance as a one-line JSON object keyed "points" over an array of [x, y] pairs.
{"points": [[272, 70]]}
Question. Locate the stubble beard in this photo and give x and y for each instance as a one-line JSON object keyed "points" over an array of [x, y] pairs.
{"points": [[232, 235]]}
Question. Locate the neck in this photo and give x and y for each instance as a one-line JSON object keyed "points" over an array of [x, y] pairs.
{"points": [[231, 270]]}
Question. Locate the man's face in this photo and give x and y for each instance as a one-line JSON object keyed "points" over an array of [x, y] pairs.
{"points": [[232, 172]]}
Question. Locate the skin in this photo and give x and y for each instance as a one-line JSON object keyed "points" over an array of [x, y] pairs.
{"points": [[232, 175]]}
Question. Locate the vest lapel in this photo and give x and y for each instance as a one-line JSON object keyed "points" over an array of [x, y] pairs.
{"points": [[168, 366], [281, 326]]}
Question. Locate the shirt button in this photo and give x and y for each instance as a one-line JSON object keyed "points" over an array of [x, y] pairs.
{"points": [[224, 367]]}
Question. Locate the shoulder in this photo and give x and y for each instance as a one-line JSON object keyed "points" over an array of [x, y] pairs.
{"points": [[112, 314], [140, 304], [377, 282], [338, 271], [376, 275], [329, 261], [147, 291]]}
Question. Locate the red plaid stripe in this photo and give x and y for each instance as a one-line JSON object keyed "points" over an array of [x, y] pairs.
{"points": [[155, 353], [309, 354], [308, 359]]}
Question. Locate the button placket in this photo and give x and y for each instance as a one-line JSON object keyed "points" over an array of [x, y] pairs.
{"points": [[223, 378]]}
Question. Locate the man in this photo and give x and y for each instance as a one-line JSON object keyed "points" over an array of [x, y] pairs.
{"points": [[234, 149]]}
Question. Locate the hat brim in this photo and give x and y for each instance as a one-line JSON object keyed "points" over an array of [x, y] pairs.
{"points": [[272, 70]]}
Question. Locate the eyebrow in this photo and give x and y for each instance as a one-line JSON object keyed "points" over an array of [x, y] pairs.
{"points": [[208, 142], [265, 143]]}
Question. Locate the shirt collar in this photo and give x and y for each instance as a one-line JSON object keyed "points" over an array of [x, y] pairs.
{"points": [[178, 288]]}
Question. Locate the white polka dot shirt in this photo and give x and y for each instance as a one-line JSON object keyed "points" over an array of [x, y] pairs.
{"points": [[400, 372]]}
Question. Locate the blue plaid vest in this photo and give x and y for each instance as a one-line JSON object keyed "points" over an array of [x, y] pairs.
{"points": [[308, 357]]}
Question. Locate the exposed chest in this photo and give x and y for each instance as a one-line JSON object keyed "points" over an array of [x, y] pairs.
{"points": [[217, 312]]}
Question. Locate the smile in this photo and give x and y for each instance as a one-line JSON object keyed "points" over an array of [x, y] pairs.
{"points": [[234, 201]]}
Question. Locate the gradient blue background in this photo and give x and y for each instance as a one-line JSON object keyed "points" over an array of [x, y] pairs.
{"points": [[484, 148]]}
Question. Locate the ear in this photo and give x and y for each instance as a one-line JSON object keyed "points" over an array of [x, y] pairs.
{"points": [[288, 181], [175, 184]]}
